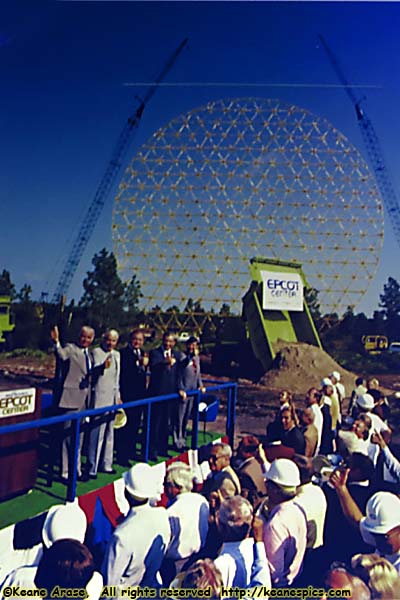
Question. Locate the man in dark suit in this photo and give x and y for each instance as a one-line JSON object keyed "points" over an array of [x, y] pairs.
{"points": [[292, 437], [189, 379], [164, 373], [75, 390], [133, 381]]}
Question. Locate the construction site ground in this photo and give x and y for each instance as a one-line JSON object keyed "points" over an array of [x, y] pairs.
{"points": [[297, 367]]}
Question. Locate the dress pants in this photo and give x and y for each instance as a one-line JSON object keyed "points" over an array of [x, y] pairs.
{"points": [[68, 450], [159, 428], [181, 411], [101, 444]]}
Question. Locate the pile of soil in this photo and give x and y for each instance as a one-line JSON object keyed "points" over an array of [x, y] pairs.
{"points": [[298, 366]]}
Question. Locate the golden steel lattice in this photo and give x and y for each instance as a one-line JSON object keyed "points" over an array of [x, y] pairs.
{"points": [[239, 178]]}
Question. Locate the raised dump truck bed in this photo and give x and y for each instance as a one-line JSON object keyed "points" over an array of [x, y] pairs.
{"points": [[268, 325]]}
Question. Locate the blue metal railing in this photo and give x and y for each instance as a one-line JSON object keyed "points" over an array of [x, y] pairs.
{"points": [[76, 418]]}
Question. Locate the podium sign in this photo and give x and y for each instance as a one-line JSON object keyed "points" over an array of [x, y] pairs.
{"points": [[14, 403], [19, 450]]}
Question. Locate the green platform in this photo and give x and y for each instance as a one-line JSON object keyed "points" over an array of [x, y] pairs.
{"points": [[42, 497]]}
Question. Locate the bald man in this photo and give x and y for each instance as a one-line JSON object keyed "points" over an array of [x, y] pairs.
{"points": [[75, 391], [105, 393]]}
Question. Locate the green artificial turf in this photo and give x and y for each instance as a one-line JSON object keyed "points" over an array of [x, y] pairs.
{"points": [[42, 497]]}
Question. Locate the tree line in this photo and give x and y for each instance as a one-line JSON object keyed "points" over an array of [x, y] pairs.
{"points": [[108, 302]]}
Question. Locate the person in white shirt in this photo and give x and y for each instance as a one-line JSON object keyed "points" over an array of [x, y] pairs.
{"points": [[188, 514], [355, 440], [360, 389], [339, 387], [105, 383], [312, 499], [62, 521], [138, 545], [285, 531], [391, 462], [235, 561], [365, 404], [313, 398], [330, 398]]}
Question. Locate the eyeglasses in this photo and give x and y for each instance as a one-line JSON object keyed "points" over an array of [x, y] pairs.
{"points": [[214, 458]]}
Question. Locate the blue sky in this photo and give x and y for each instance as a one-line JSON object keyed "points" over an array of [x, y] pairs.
{"points": [[64, 69]]}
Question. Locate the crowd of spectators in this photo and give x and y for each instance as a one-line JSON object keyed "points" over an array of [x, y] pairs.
{"points": [[316, 504]]}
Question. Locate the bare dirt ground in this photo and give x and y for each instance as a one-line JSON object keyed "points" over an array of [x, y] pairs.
{"points": [[297, 367]]}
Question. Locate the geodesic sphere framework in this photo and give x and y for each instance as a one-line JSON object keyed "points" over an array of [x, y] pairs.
{"points": [[240, 178]]}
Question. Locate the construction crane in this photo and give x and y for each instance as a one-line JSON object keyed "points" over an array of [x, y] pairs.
{"points": [[96, 206], [372, 146]]}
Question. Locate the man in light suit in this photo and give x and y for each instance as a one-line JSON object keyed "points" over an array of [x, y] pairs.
{"points": [[105, 386], [189, 379], [164, 370], [75, 393]]}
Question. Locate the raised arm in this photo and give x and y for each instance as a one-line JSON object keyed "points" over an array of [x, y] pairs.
{"points": [[62, 353], [350, 509]]}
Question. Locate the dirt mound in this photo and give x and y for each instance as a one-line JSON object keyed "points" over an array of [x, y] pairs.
{"points": [[299, 366]]}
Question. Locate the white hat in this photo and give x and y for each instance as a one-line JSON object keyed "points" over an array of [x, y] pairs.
{"points": [[66, 521], [284, 472], [365, 401], [140, 481], [383, 513], [326, 381], [336, 375]]}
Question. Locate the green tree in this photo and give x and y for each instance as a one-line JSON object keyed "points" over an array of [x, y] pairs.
{"points": [[197, 307], [28, 319], [132, 295], [24, 295], [7, 288], [189, 305], [193, 306], [225, 310], [108, 302], [173, 309], [390, 300], [311, 297]]}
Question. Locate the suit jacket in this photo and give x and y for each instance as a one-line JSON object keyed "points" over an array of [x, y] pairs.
{"points": [[190, 376], [226, 482], [294, 439], [75, 391], [105, 381], [132, 379], [327, 433], [164, 378], [251, 476]]}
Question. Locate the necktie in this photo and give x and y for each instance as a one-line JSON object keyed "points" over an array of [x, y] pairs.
{"points": [[85, 352], [194, 365]]}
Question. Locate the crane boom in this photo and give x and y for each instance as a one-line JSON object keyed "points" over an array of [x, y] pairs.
{"points": [[340, 75], [107, 181], [372, 147]]}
